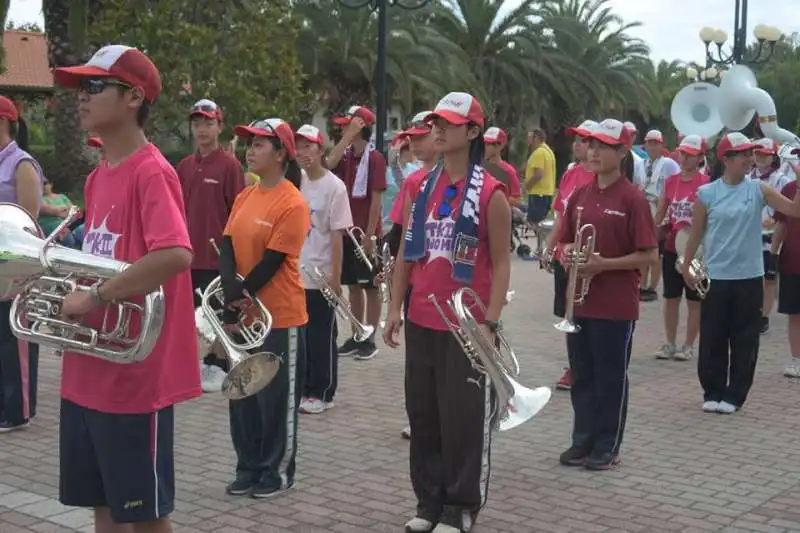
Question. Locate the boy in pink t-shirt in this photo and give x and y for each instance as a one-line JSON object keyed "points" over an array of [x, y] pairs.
{"points": [[116, 444], [496, 140]]}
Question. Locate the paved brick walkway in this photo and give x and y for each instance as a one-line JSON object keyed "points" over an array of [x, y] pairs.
{"points": [[682, 470]]}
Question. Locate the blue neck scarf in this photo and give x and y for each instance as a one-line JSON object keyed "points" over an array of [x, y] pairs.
{"points": [[465, 245]]}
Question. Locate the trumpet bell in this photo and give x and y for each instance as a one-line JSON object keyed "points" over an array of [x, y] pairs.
{"points": [[694, 110], [250, 375], [524, 405]]}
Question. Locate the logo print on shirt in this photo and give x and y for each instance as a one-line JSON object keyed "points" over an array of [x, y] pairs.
{"points": [[613, 212], [99, 240], [681, 210], [439, 236]]}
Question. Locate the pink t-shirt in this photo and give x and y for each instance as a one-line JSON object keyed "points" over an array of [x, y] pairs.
{"points": [[132, 209], [433, 274], [330, 212], [513, 179], [572, 179], [680, 195], [411, 183]]}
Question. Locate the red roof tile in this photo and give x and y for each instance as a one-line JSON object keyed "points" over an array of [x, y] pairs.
{"points": [[26, 61]]}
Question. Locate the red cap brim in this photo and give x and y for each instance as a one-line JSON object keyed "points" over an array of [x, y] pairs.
{"points": [[416, 131], [451, 117], [579, 132], [764, 151], [308, 138], [206, 114], [245, 131], [605, 139], [342, 121], [70, 77], [688, 151]]}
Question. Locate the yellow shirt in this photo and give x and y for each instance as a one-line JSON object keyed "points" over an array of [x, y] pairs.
{"points": [[542, 158]]}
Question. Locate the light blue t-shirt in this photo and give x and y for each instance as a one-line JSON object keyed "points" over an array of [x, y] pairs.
{"points": [[732, 242]]}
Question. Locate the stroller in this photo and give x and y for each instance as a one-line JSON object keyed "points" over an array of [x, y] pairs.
{"points": [[519, 232]]}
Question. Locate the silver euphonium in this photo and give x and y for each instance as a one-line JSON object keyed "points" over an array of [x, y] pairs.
{"points": [[38, 274], [514, 404], [384, 277], [339, 304], [249, 372]]}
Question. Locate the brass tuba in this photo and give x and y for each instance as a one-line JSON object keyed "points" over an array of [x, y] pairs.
{"points": [[339, 304], [582, 249], [38, 274], [697, 268], [514, 404]]}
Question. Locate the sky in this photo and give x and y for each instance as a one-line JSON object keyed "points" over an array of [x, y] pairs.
{"points": [[666, 26]]}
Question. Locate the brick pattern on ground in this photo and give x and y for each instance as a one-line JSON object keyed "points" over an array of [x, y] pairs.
{"points": [[682, 470]]}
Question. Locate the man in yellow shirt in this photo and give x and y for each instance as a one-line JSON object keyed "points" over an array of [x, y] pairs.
{"points": [[540, 177]]}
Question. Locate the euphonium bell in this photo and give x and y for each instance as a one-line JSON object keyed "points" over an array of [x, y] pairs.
{"points": [[38, 274]]}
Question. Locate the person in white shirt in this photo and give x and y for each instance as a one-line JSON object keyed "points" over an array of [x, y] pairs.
{"points": [[330, 216], [767, 169], [658, 168]]}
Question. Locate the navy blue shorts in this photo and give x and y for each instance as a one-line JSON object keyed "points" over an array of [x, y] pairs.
{"points": [[123, 462], [538, 207]]}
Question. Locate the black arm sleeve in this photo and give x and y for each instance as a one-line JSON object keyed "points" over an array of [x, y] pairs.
{"points": [[227, 260], [263, 271]]}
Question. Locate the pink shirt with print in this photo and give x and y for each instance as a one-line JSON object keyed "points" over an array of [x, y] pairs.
{"points": [[433, 274], [572, 179], [411, 183], [680, 194], [132, 209]]}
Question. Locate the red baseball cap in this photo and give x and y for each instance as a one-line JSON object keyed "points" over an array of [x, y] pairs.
{"points": [[206, 108], [733, 142], [8, 109], [310, 133], [584, 130], [127, 64], [94, 142], [692, 145], [356, 111], [654, 136], [495, 135], [418, 125], [612, 132], [270, 127], [458, 109], [766, 147]]}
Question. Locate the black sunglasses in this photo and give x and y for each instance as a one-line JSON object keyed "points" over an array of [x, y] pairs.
{"points": [[446, 207], [98, 85]]}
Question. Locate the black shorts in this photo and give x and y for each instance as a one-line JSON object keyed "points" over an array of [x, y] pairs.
{"points": [[354, 271], [538, 207], [769, 276], [674, 285], [123, 462], [789, 294], [559, 290]]}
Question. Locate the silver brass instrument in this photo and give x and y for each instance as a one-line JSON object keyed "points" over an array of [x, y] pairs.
{"points": [[697, 268], [357, 235], [38, 274], [339, 304], [384, 277], [577, 289], [514, 404], [249, 372]]}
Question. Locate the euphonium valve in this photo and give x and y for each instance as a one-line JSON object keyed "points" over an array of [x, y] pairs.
{"points": [[577, 284]]}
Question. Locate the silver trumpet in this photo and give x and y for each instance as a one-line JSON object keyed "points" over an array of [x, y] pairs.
{"points": [[384, 277], [582, 248], [249, 372], [339, 304], [697, 268], [357, 235], [38, 274], [514, 404]]}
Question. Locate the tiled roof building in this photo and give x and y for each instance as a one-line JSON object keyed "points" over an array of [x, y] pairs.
{"points": [[27, 69]]}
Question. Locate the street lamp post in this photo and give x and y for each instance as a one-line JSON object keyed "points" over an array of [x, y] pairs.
{"points": [[766, 36], [382, 6]]}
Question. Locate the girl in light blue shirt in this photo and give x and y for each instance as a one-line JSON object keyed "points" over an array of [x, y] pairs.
{"points": [[726, 220]]}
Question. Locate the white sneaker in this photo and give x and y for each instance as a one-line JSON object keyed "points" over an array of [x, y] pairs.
{"points": [[406, 433], [710, 407], [684, 354], [211, 378], [314, 406], [444, 528], [419, 525], [726, 408], [792, 370], [666, 351]]}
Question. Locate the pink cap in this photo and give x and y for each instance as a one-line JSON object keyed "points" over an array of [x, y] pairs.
{"points": [[458, 109], [692, 145], [270, 127], [356, 111], [734, 142], [495, 135], [310, 133], [766, 146]]}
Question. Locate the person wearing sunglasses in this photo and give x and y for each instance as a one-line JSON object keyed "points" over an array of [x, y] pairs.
{"points": [[21, 180], [117, 420], [727, 221], [262, 243], [211, 178], [363, 170], [457, 227]]}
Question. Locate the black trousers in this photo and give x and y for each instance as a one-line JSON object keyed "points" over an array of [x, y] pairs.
{"points": [[200, 280], [449, 406], [730, 323], [598, 357], [19, 370], [322, 368], [264, 426]]}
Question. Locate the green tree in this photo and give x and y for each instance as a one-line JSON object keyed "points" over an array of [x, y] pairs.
{"points": [[242, 54]]}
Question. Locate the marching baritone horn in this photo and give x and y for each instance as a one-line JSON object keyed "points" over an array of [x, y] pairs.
{"points": [[357, 235], [513, 403], [339, 304], [577, 289], [39, 274], [697, 268]]}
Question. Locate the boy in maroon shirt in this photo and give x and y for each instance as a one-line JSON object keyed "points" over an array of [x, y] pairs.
{"points": [[365, 183], [116, 441], [211, 178], [786, 241], [625, 240]]}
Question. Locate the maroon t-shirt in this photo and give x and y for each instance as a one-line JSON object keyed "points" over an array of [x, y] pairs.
{"points": [[376, 182], [623, 225], [790, 251], [210, 185]]}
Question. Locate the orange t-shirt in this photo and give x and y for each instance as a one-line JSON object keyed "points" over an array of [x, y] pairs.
{"points": [[276, 219]]}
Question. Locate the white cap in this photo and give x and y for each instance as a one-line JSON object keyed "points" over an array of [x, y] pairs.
{"points": [[310, 133], [654, 135]]}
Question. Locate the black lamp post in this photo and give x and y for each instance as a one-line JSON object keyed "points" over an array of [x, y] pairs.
{"points": [[382, 7], [766, 36]]}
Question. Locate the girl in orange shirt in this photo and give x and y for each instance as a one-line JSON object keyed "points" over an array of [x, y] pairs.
{"points": [[262, 242]]}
